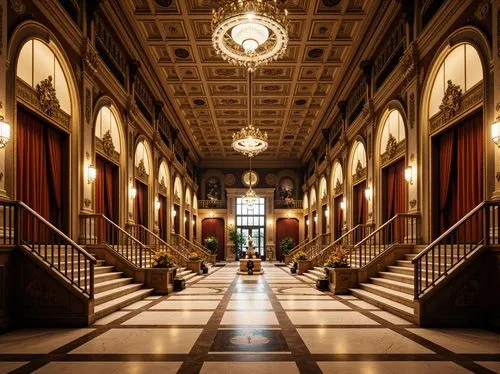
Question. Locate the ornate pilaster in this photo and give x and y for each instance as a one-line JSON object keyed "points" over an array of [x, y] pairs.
{"points": [[3, 79], [492, 151]]}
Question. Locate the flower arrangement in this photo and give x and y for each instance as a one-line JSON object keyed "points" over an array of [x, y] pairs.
{"points": [[300, 255], [193, 256], [338, 258], [162, 260]]}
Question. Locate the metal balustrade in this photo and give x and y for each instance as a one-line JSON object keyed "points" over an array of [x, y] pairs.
{"points": [[24, 227], [187, 247]]}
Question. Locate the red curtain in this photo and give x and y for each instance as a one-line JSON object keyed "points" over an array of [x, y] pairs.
{"points": [[40, 168], [162, 217], [306, 228], [360, 207], [339, 217], [214, 227], [105, 192], [186, 225], [286, 227], [395, 193], [109, 182], [461, 173], [141, 201]]}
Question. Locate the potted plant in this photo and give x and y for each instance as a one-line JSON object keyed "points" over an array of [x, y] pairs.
{"points": [[194, 262], [212, 244], [237, 240], [303, 262], [286, 245], [161, 274], [338, 259], [340, 276]]}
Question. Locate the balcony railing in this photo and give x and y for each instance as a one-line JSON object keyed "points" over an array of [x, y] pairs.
{"points": [[212, 204], [288, 204]]}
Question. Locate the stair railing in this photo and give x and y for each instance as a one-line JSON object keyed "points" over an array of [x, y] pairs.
{"points": [[347, 240], [476, 229], [24, 227], [186, 247], [99, 229], [148, 237], [307, 246], [400, 229]]}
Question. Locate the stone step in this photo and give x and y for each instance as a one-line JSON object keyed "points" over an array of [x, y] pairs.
{"points": [[391, 306], [103, 269], [397, 277], [397, 296], [120, 302], [103, 297], [394, 285], [104, 277], [75, 263], [400, 270], [110, 284]]}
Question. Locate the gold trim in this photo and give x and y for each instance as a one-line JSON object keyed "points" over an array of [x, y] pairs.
{"points": [[49, 103], [451, 101]]}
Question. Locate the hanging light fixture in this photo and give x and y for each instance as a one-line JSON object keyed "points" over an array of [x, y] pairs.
{"points": [[249, 140], [250, 198], [4, 132], [250, 32]]}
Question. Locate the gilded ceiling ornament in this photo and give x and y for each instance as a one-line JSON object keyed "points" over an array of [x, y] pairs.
{"points": [[391, 146], [451, 101], [250, 178], [47, 96], [107, 144], [141, 170]]}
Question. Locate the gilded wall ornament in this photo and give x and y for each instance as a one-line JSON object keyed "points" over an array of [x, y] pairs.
{"points": [[413, 203], [451, 101], [141, 170], [90, 58], [18, 7], [49, 102], [391, 146], [271, 179], [87, 203], [163, 186], [359, 169], [107, 144], [338, 187], [229, 179], [88, 105], [409, 62], [411, 108]]}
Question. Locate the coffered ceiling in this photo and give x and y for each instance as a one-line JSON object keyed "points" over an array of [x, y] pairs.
{"points": [[290, 96]]}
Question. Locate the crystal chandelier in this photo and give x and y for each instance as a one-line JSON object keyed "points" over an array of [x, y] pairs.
{"points": [[249, 140], [249, 32], [250, 198]]}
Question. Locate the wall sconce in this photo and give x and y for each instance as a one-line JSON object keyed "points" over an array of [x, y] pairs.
{"points": [[157, 204], [409, 175], [91, 174], [307, 222], [194, 222], [174, 212], [185, 219], [495, 131], [211, 214], [342, 205], [315, 219], [368, 193], [289, 214], [132, 192], [327, 212], [4, 132]]}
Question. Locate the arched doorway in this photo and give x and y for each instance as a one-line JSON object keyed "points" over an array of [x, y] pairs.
{"points": [[323, 198], [187, 214], [456, 130], [215, 227], [163, 189], [313, 215], [43, 145], [337, 188], [358, 177], [176, 211], [286, 227], [142, 174]]}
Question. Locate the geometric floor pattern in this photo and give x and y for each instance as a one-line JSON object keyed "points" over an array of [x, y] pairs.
{"points": [[272, 323]]}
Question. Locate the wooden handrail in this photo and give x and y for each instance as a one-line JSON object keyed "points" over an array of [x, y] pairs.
{"points": [[115, 226]]}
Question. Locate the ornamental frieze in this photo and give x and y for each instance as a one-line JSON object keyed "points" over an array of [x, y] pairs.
{"points": [[107, 144], [49, 103], [140, 171], [451, 101]]}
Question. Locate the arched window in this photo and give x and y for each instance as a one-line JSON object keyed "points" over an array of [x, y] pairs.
{"points": [[305, 203], [393, 130], [323, 192], [106, 129], [337, 176], [358, 158], [142, 162], [462, 66], [164, 178], [37, 63], [178, 188], [312, 198], [187, 199]]}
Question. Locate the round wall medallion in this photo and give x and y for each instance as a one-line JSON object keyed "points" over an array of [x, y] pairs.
{"points": [[245, 179], [229, 179], [271, 179]]}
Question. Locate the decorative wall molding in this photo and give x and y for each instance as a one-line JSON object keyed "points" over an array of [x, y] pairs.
{"points": [[408, 64], [339, 188], [451, 101], [391, 147], [18, 7], [411, 110], [413, 203], [88, 105], [162, 188], [107, 144], [393, 151], [90, 58], [140, 171], [49, 103]]}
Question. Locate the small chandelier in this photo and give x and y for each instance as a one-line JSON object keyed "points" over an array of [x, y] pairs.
{"points": [[250, 141], [249, 32], [250, 198]]}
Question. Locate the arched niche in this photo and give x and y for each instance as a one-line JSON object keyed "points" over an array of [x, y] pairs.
{"points": [[305, 202], [323, 190], [142, 161], [392, 135], [177, 190], [358, 161], [108, 134], [187, 199], [164, 178]]}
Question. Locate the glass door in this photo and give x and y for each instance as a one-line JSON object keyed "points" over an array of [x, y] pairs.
{"points": [[252, 221]]}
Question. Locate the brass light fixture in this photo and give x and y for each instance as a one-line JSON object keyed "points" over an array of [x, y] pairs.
{"points": [[250, 198], [249, 32]]}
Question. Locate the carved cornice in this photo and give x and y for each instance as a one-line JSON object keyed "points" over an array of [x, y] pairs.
{"points": [[49, 103], [90, 58], [451, 101], [408, 64]]}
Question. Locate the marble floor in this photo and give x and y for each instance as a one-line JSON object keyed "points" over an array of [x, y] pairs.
{"points": [[271, 323]]}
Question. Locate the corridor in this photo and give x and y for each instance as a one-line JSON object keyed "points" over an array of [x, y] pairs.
{"points": [[273, 323]]}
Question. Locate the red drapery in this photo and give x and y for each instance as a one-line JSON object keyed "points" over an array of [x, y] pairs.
{"points": [[339, 217], [162, 217], [306, 229], [461, 173], [395, 186], [186, 225], [214, 227], [40, 167], [286, 227], [360, 206], [105, 187], [141, 201]]}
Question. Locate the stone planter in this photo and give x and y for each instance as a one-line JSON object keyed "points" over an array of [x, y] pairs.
{"points": [[213, 258], [303, 266], [341, 279], [194, 265], [287, 259], [160, 279]]}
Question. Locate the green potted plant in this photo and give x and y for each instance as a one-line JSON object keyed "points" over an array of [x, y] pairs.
{"points": [[237, 240], [286, 245], [212, 244], [194, 262], [303, 262]]}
